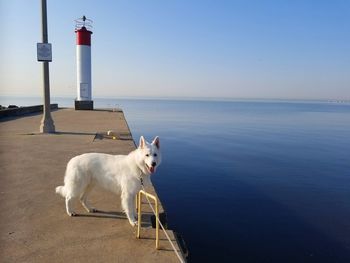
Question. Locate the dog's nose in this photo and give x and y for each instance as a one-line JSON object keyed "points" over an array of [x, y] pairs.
{"points": [[154, 164]]}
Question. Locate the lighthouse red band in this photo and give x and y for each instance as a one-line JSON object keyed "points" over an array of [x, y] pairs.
{"points": [[83, 36]]}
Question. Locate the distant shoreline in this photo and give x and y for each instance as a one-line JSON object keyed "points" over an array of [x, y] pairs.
{"points": [[21, 101]]}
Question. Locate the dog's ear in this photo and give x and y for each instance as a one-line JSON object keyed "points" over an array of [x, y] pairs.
{"points": [[156, 142], [142, 142]]}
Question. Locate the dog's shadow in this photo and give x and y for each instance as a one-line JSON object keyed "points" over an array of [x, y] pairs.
{"points": [[104, 214], [145, 218]]}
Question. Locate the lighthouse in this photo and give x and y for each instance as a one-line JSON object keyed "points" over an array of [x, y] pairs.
{"points": [[83, 55]]}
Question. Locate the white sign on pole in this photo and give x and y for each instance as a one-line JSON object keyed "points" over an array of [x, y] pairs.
{"points": [[44, 52]]}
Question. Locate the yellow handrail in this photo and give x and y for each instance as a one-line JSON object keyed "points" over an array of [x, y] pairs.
{"points": [[138, 207]]}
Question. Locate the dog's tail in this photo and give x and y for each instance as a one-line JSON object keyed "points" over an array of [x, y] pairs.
{"points": [[61, 190]]}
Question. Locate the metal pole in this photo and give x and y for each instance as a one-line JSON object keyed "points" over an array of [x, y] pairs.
{"points": [[47, 125]]}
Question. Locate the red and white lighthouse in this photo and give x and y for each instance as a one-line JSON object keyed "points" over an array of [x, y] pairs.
{"points": [[83, 42]]}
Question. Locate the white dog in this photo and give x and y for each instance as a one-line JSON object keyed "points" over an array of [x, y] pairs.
{"points": [[121, 174]]}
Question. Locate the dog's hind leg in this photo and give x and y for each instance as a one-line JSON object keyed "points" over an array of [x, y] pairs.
{"points": [[69, 205], [84, 201]]}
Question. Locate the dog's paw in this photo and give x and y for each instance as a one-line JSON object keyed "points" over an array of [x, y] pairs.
{"points": [[72, 214], [133, 223]]}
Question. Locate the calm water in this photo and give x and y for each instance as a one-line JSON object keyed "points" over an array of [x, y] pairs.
{"points": [[251, 181]]}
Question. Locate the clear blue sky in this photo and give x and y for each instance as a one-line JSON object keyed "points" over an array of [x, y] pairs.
{"points": [[238, 49]]}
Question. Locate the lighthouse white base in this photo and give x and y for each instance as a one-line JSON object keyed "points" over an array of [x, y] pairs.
{"points": [[84, 105]]}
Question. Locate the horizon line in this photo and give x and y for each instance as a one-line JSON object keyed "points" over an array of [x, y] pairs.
{"points": [[190, 98]]}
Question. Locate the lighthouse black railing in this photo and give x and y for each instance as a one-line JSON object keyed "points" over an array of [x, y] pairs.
{"points": [[83, 22]]}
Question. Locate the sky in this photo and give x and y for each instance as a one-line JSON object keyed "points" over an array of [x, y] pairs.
{"points": [[297, 49]]}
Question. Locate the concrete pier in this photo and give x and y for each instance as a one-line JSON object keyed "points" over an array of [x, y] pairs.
{"points": [[34, 226]]}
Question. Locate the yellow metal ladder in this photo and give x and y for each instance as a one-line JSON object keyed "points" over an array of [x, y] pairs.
{"points": [[139, 214]]}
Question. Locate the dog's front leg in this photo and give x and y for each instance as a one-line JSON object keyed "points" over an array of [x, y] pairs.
{"points": [[128, 204]]}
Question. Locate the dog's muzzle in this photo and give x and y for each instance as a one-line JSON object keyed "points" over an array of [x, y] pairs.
{"points": [[151, 168]]}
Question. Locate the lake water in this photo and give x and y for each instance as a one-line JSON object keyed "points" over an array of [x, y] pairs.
{"points": [[250, 181]]}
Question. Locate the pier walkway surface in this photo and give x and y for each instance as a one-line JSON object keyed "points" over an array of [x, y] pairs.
{"points": [[34, 226]]}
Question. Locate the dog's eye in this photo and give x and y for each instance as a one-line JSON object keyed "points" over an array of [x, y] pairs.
{"points": [[155, 155], [147, 155]]}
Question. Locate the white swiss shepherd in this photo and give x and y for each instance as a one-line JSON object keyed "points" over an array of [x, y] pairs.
{"points": [[120, 174]]}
